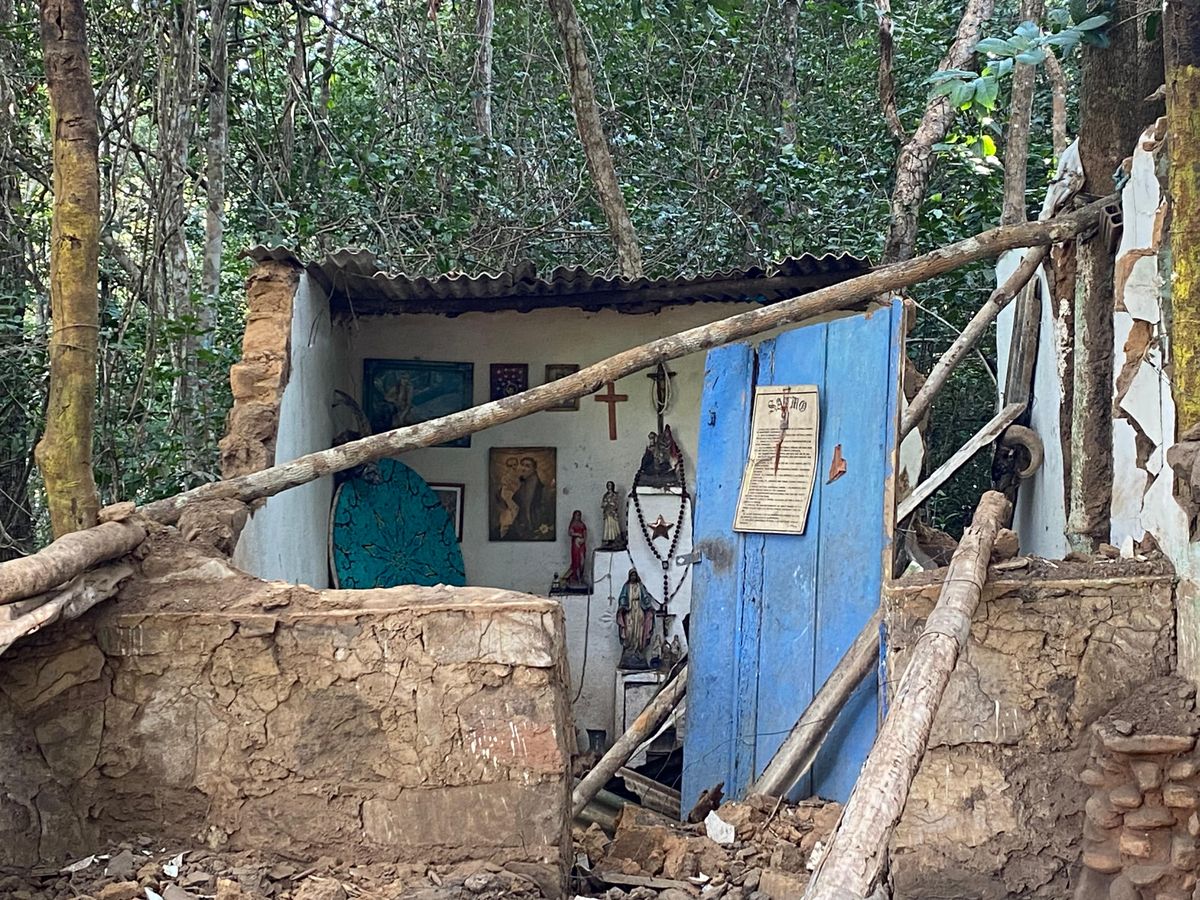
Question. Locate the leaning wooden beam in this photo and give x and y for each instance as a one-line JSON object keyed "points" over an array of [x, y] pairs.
{"points": [[68, 602], [796, 754], [843, 295], [965, 342], [942, 473], [643, 726], [587, 380], [858, 846], [66, 557]]}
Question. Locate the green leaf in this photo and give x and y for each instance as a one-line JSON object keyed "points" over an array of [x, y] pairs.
{"points": [[1029, 30], [944, 88], [986, 89], [1152, 22], [1091, 24], [995, 45], [962, 94], [987, 145], [1078, 9], [1032, 57]]}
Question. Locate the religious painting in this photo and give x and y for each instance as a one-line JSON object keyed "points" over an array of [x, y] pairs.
{"points": [[399, 392], [508, 379], [555, 372], [522, 489], [451, 497]]}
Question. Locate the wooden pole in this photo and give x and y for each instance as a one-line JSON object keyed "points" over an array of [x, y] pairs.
{"points": [[66, 557], [858, 846], [796, 754], [643, 726]]}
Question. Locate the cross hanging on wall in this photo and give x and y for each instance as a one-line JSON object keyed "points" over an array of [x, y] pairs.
{"points": [[612, 398]]}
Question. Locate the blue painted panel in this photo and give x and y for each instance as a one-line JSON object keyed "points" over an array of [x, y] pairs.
{"points": [[789, 585], [712, 688], [794, 603], [389, 528]]}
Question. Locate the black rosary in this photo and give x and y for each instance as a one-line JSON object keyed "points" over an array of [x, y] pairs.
{"points": [[667, 594]]}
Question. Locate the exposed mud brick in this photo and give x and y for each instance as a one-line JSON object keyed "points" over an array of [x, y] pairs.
{"points": [[995, 810], [404, 725]]}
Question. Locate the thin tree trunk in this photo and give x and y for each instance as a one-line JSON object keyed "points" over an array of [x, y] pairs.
{"points": [[787, 73], [64, 453], [1182, 33], [1058, 103], [1016, 141], [887, 83], [858, 846], [915, 163], [268, 482], [214, 211], [481, 102], [592, 137]]}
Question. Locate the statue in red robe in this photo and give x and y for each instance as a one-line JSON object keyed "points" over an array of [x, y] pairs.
{"points": [[577, 532]]}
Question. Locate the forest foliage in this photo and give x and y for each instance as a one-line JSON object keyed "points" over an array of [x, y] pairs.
{"points": [[742, 131]]}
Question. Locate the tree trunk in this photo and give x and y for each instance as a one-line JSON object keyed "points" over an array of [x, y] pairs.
{"points": [[1016, 140], [214, 173], [887, 83], [915, 163], [787, 73], [859, 845], [481, 102], [595, 144], [1182, 34], [64, 453], [1058, 103], [1112, 116]]}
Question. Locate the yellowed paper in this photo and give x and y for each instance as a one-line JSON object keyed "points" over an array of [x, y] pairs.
{"points": [[777, 485]]}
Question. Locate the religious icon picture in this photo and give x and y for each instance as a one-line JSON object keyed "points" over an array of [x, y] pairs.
{"points": [[508, 379], [522, 493], [555, 372], [451, 497], [399, 392]]}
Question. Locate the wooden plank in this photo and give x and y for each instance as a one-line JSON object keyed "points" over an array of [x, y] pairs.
{"points": [[789, 574], [717, 579], [861, 359], [942, 473]]}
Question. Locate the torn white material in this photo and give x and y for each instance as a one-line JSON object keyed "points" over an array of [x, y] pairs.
{"points": [[718, 830], [78, 865]]}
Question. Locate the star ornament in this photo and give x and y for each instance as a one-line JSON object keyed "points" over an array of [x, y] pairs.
{"points": [[660, 528]]}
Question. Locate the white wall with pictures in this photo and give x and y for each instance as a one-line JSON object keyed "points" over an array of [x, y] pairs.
{"points": [[508, 539]]}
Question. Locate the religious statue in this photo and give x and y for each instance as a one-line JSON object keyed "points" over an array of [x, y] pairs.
{"points": [[662, 460], [610, 510], [577, 532], [635, 622]]}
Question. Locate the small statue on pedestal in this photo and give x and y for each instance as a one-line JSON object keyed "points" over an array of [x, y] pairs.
{"points": [[577, 532], [635, 622], [610, 510]]}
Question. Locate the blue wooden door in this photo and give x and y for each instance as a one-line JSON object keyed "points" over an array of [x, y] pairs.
{"points": [[772, 614]]}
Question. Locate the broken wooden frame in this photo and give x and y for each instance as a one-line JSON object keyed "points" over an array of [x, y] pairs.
{"points": [[75, 553]]}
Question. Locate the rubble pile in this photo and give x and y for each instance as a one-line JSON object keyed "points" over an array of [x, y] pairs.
{"points": [[756, 849]]}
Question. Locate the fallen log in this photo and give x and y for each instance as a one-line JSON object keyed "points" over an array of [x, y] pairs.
{"points": [[643, 726], [858, 846], [844, 295], [796, 754], [69, 602], [66, 557]]}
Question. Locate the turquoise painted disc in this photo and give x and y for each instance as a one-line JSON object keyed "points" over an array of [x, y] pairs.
{"points": [[388, 528]]}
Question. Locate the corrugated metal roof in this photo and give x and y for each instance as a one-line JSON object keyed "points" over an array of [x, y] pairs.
{"points": [[357, 285]]}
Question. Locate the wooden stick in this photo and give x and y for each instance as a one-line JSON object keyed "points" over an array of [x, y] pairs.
{"points": [[939, 476], [965, 342], [70, 602], [796, 754], [643, 726], [858, 846], [836, 297], [66, 557]]}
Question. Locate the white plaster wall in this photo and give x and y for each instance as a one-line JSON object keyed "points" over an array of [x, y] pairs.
{"points": [[287, 538], [586, 457]]}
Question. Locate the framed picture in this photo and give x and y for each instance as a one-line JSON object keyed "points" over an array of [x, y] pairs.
{"points": [[399, 392], [555, 372], [451, 496], [522, 493], [508, 379]]}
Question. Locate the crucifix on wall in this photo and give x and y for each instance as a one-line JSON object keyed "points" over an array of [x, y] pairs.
{"points": [[612, 398]]}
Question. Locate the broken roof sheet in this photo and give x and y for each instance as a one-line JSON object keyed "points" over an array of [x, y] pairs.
{"points": [[357, 285]]}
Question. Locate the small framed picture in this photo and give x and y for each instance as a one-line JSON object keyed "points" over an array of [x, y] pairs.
{"points": [[508, 379], [451, 495], [399, 392], [522, 493], [555, 372]]}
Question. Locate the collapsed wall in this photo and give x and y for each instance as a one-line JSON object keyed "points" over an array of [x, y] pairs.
{"points": [[996, 809], [408, 724]]}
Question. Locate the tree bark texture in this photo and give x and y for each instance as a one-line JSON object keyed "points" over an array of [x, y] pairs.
{"points": [[481, 101], [1112, 116], [788, 92], [887, 82], [915, 163], [214, 170], [65, 558], [64, 453], [858, 846], [1058, 103], [1016, 140], [592, 137], [1182, 35]]}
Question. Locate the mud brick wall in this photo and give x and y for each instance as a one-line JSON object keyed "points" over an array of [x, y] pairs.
{"points": [[408, 724], [996, 809]]}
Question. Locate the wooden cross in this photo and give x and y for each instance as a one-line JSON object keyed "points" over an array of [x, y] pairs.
{"points": [[612, 399]]}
